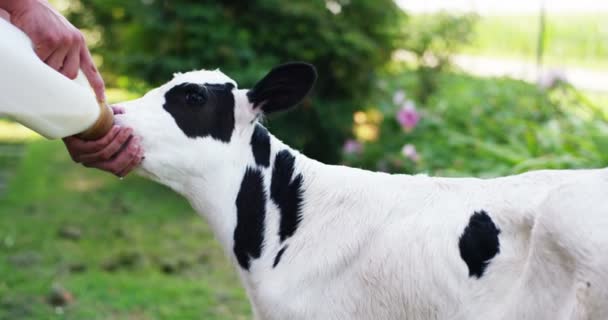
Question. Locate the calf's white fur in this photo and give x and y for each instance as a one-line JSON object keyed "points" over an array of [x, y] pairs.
{"points": [[370, 245]]}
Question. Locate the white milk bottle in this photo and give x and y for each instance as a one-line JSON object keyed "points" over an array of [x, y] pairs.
{"points": [[41, 98]]}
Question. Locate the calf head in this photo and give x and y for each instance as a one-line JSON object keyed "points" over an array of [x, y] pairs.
{"points": [[201, 121]]}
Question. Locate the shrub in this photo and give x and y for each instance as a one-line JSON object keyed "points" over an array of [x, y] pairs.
{"points": [[486, 127], [348, 40], [432, 39]]}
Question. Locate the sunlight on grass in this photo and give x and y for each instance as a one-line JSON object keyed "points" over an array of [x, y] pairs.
{"points": [[12, 132], [79, 183], [599, 99], [115, 95], [571, 40]]}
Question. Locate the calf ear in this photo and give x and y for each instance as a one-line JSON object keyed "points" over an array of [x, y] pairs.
{"points": [[283, 87]]}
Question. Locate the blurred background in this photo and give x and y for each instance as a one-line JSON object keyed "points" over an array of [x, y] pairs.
{"points": [[443, 87]]}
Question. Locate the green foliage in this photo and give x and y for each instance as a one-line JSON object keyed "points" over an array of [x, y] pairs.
{"points": [[433, 39], [489, 127], [150, 40]]}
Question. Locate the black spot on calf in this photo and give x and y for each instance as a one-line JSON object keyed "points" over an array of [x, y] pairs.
{"points": [[251, 212], [202, 110], [277, 259], [260, 145], [479, 243], [286, 194]]}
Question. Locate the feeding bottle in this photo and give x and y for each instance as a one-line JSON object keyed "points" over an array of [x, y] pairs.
{"points": [[41, 98]]}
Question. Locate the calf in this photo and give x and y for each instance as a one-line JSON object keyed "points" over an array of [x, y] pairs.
{"points": [[317, 241]]}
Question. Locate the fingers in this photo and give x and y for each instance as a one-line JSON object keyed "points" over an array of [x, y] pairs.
{"points": [[118, 152], [134, 163], [5, 15], [123, 163], [71, 64], [56, 59], [82, 147], [60, 48], [44, 51], [110, 150], [57, 42], [90, 71]]}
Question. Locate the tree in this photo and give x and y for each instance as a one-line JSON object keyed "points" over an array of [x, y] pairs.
{"points": [[347, 40]]}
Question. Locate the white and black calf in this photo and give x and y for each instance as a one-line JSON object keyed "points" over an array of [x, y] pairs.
{"points": [[316, 241]]}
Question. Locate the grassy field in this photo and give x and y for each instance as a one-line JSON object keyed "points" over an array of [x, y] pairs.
{"points": [[126, 249], [133, 249], [580, 41]]}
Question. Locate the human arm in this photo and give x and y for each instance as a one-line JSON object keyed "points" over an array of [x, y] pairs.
{"points": [[56, 41], [62, 46]]}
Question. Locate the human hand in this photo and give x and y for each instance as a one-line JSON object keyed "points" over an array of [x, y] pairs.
{"points": [[56, 41], [117, 152]]}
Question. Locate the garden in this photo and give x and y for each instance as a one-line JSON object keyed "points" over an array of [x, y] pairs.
{"points": [[77, 243]]}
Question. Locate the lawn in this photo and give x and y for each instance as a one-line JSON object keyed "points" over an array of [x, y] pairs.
{"points": [[571, 40], [126, 249]]}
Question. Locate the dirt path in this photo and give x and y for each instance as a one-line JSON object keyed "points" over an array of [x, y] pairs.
{"points": [[585, 79]]}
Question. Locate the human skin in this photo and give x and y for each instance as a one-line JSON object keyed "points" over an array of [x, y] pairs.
{"points": [[62, 46]]}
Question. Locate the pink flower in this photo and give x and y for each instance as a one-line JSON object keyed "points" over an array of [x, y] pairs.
{"points": [[399, 97], [409, 151], [352, 146], [407, 116], [552, 78]]}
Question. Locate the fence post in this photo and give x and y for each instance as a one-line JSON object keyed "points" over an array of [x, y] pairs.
{"points": [[541, 40]]}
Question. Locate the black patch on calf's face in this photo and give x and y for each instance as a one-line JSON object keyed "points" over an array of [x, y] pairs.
{"points": [[277, 259], [251, 212], [260, 145], [286, 194], [202, 110], [479, 243]]}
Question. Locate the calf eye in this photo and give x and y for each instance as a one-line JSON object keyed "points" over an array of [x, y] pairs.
{"points": [[196, 97]]}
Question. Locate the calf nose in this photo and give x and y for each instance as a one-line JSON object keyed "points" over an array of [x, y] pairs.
{"points": [[118, 109], [119, 115]]}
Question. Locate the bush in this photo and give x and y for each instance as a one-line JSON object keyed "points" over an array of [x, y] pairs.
{"points": [[475, 126], [432, 39], [348, 40]]}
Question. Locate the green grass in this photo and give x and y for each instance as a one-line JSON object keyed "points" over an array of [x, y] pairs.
{"points": [[599, 99], [131, 230], [577, 40]]}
